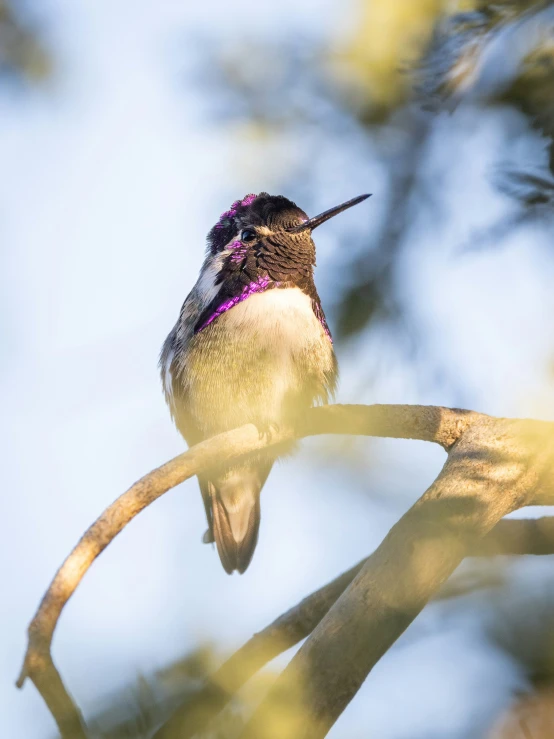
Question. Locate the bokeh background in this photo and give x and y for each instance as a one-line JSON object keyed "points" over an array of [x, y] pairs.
{"points": [[126, 128]]}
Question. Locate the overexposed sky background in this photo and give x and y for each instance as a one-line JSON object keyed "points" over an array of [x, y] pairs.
{"points": [[110, 182]]}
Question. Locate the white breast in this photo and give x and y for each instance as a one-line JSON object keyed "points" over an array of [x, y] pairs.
{"points": [[254, 359], [279, 329], [281, 318]]}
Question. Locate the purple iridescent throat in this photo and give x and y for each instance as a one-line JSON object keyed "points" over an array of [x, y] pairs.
{"points": [[259, 286]]}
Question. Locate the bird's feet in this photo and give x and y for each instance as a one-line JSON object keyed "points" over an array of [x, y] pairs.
{"points": [[267, 429]]}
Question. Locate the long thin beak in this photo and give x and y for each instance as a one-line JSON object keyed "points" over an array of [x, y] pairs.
{"points": [[316, 221]]}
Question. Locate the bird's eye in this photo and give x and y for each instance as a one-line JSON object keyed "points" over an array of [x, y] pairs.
{"points": [[247, 235]]}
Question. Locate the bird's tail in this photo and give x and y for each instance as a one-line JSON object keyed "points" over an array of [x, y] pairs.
{"points": [[234, 503]]}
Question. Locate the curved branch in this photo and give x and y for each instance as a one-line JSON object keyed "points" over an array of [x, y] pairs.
{"points": [[440, 425], [509, 537]]}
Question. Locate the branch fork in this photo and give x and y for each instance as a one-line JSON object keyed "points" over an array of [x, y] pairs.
{"points": [[494, 466]]}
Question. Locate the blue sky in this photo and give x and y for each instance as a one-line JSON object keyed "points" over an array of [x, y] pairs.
{"points": [[110, 183]]}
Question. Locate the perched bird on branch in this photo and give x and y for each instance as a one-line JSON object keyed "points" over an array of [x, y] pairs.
{"points": [[251, 345]]}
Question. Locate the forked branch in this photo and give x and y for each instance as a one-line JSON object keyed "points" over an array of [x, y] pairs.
{"points": [[496, 467], [533, 536], [440, 425]]}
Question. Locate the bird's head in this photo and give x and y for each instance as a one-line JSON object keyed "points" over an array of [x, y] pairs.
{"points": [[263, 241], [267, 236]]}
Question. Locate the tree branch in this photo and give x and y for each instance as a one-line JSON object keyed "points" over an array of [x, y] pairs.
{"points": [[497, 466], [510, 537], [518, 536], [440, 425]]}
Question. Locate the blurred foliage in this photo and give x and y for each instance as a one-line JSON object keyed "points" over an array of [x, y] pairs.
{"points": [[24, 57], [189, 684], [504, 52], [387, 38], [524, 628], [521, 623], [139, 710], [530, 717], [368, 94]]}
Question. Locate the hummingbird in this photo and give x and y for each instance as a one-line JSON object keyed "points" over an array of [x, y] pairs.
{"points": [[251, 345]]}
